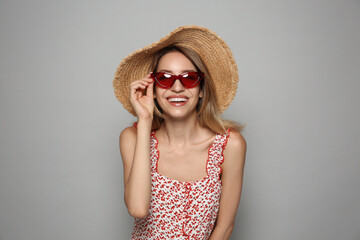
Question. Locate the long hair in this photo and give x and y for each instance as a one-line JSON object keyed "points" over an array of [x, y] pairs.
{"points": [[208, 111]]}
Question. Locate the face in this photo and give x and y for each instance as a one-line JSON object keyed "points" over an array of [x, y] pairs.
{"points": [[177, 101]]}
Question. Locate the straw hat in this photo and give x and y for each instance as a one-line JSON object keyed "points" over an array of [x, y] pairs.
{"points": [[213, 51]]}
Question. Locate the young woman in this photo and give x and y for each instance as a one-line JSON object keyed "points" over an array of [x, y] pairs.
{"points": [[183, 163]]}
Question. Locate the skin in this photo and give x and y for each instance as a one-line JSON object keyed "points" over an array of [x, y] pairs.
{"points": [[183, 145]]}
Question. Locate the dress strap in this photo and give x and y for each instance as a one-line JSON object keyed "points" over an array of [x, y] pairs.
{"points": [[154, 153], [216, 157]]}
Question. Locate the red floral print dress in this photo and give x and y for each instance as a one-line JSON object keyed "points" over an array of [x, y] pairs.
{"points": [[183, 210]]}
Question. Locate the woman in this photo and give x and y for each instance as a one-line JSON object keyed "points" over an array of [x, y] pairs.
{"points": [[192, 189]]}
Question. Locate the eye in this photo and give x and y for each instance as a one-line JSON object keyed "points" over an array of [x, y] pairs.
{"points": [[163, 76], [192, 76], [167, 75]]}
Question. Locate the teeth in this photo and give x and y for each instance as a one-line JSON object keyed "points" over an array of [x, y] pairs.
{"points": [[177, 99]]}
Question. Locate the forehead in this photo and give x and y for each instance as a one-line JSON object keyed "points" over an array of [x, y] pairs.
{"points": [[175, 62]]}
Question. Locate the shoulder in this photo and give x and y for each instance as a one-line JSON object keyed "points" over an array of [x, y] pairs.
{"points": [[127, 136], [236, 141], [235, 150], [127, 142], [128, 132]]}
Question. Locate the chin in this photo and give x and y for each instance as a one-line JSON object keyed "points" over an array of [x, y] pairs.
{"points": [[178, 114]]}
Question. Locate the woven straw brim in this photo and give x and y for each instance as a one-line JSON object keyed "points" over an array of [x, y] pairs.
{"points": [[213, 51]]}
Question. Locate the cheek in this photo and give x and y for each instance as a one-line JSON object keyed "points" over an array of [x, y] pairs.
{"points": [[158, 95], [196, 92]]}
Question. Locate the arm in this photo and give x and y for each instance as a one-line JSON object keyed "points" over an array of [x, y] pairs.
{"points": [[232, 179], [135, 151]]}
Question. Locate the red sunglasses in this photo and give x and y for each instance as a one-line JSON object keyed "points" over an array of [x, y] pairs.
{"points": [[188, 79]]}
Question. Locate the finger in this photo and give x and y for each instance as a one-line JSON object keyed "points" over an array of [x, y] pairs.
{"points": [[149, 77], [138, 95], [148, 80], [139, 85], [149, 90], [137, 91], [141, 81], [145, 81]]}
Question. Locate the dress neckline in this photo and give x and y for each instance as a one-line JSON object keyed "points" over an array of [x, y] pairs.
{"points": [[178, 181]]}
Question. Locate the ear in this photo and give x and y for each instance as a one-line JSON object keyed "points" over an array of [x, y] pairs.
{"points": [[201, 94]]}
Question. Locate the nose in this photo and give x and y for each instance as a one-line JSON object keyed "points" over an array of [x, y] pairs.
{"points": [[177, 86]]}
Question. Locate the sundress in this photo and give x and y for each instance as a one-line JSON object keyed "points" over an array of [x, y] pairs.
{"points": [[183, 210]]}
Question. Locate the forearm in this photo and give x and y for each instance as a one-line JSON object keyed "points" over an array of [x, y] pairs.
{"points": [[138, 185]]}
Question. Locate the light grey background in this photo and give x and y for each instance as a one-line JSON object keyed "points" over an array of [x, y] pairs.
{"points": [[61, 175]]}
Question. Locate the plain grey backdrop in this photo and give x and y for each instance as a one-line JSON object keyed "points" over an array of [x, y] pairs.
{"points": [[61, 175]]}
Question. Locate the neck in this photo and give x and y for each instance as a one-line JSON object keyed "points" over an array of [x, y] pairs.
{"points": [[180, 132]]}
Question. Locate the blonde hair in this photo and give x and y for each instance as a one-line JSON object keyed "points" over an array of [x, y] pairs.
{"points": [[207, 109]]}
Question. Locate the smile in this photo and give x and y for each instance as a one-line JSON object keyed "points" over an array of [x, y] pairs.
{"points": [[177, 101]]}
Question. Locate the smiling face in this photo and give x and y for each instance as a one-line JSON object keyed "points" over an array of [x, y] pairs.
{"points": [[177, 101]]}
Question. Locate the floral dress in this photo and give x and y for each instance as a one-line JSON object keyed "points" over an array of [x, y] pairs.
{"points": [[183, 210]]}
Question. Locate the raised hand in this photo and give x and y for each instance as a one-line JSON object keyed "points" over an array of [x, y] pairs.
{"points": [[143, 104]]}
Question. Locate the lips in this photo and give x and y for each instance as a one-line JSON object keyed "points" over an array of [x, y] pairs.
{"points": [[177, 101]]}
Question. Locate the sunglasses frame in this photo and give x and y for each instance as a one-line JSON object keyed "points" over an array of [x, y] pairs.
{"points": [[180, 77]]}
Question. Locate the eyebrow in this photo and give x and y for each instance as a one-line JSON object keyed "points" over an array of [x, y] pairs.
{"points": [[169, 71]]}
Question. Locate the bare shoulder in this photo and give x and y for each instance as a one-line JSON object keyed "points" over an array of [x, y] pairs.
{"points": [[127, 140], [128, 133], [235, 149], [236, 142]]}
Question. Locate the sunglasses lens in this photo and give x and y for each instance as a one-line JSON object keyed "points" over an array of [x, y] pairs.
{"points": [[190, 79], [164, 80]]}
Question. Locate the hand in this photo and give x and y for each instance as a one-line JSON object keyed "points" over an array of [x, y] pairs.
{"points": [[143, 104]]}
